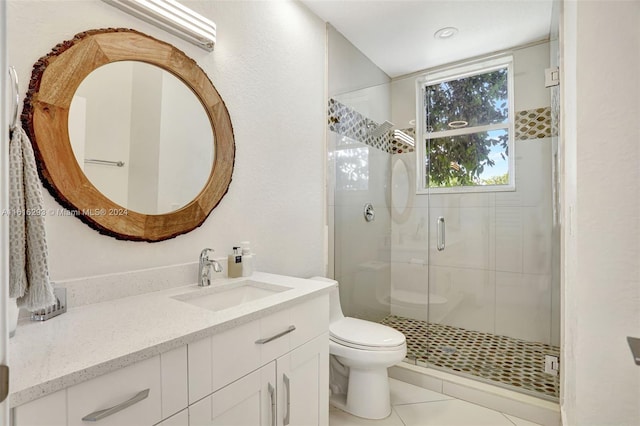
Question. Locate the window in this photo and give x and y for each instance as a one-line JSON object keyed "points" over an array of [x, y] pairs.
{"points": [[466, 128]]}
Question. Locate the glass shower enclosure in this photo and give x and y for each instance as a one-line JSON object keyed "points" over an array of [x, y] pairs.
{"points": [[486, 305]]}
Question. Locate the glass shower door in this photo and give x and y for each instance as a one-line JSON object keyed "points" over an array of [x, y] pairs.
{"points": [[490, 311]]}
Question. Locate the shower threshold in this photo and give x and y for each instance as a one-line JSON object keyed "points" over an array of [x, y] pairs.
{"points": [[505, 361]]}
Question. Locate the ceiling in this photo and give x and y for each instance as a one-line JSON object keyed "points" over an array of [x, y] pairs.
{"points": [[398, 35]]}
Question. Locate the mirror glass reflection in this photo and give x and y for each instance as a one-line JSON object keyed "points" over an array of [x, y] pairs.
{"points": [[141, 136]]}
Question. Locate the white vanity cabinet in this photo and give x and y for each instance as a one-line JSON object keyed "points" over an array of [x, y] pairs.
{"points": [[272, 371]]}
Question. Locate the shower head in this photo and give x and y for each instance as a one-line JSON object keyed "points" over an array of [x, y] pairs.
{"points": [[401, 137], [381, 129]]}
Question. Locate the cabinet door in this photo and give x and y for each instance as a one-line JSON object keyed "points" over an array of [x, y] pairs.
{"points": [[303, 384], [247, 401]]}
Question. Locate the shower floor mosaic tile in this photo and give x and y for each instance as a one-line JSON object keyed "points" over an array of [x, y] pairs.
{"points": [[516, 363]]}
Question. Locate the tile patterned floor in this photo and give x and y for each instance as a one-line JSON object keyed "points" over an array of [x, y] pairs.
{"points": [[516, 363], [415, 406]]}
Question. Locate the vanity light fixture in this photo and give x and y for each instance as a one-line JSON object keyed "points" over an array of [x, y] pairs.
{"points": [[174, 18]]}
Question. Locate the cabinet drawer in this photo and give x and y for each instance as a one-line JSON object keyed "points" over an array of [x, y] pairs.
{"points": [[121, 388], [311, 319]]}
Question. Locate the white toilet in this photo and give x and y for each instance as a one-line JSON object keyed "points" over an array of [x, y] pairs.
{"points": [[367, 349]]}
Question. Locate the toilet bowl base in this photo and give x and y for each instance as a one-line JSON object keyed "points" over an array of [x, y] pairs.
{"points": [[367, 396]]}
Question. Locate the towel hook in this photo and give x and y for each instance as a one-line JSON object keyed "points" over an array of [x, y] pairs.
{"points": [[14, 78]]}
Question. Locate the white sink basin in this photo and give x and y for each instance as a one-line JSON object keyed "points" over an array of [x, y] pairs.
{"points": [[232, 295]]}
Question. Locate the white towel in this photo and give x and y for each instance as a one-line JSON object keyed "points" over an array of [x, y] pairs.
{"points": [[28, 265]]}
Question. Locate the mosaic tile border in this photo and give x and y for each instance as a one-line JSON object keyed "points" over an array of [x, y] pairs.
{"points": [[347, 122], [529, 124], [516, 363], [533, 124]]}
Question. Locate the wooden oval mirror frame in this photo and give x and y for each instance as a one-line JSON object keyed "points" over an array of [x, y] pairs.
{"points": [[54, 81]]}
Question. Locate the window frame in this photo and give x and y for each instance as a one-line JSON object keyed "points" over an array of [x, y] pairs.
{"points": [[469, 69]]}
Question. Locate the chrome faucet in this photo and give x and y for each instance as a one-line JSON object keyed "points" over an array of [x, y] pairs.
{"points": [[204, 268]]}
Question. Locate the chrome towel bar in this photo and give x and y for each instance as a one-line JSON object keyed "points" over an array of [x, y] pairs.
{"points": [[104, 162]]}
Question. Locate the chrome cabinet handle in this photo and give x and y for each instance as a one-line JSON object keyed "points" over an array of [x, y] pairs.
{"points": [[282, 333], [272, 397], [101, 414], [441, 235], [288, 404]]}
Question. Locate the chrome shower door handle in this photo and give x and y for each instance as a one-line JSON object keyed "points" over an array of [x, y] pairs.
{"points": [[441, 233]]}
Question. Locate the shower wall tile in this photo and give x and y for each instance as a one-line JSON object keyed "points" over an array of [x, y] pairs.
{"points": [[492, 237], [509, 239], [331, 170], [411, 277], [365, 293], [362, 175], [358, 243], [410, 239], [536, 249], [466, 235], [533, 175], [523, 306], [480, 199], [332, 259], [469, 294], [409, 290], [523, 240]]}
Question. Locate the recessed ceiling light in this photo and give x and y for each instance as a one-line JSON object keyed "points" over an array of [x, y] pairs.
{"points": [[446, 32]]}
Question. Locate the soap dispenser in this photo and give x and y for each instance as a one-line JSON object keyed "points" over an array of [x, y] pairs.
{"points": [[247, 259], [234, 265]]}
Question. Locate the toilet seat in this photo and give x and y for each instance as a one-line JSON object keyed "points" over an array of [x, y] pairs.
{"points": [[366, 335]]}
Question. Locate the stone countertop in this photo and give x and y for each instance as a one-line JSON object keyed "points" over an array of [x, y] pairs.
{"points": [[92, 340]]}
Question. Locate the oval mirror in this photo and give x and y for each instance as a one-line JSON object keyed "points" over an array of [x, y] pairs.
{"points": [[149, 175]]}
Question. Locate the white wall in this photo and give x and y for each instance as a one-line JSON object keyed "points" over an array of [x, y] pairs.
{"points": [[269, 67], [601, 288], [349, 69]]}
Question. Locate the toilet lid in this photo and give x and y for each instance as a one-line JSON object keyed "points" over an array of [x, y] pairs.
{"points": [[365, 333]]}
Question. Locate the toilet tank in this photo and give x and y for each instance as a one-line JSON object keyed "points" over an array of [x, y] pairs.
{"points": [[335, 310]]}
